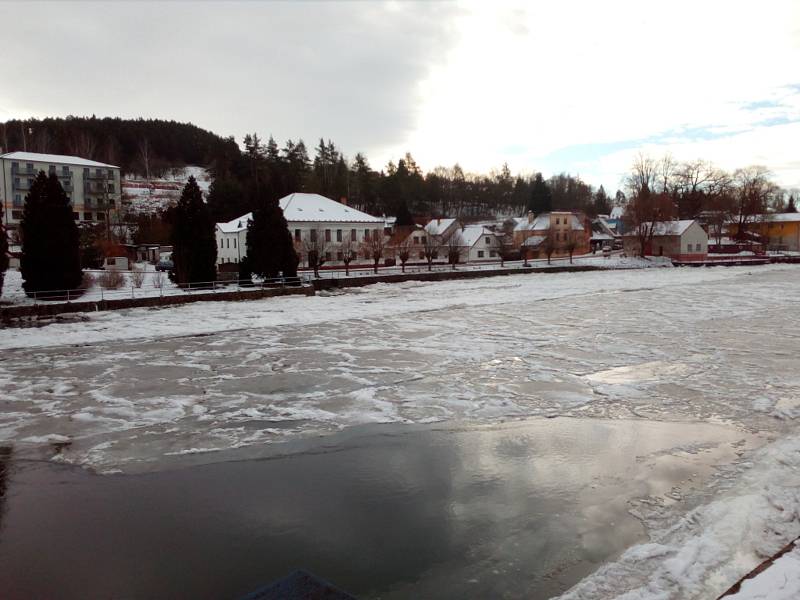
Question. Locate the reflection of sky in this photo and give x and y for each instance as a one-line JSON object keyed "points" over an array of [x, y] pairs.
{"points": [[429, 513]]}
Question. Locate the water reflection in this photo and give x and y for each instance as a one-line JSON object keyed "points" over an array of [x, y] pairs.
{"points": [[521, 510]]}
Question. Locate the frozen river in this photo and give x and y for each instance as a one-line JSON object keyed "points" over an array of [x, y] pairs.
{"points": [[705, 358]]}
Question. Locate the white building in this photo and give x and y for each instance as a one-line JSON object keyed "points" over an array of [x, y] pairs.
{"points": [[92, 187], [478, 243], [308, 216]]}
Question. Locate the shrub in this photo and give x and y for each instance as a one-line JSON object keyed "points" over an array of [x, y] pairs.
{"points": [[137, 277], [111, 280]]}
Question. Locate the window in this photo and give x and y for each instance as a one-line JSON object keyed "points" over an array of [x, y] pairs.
{"points": [[65, 170], [17, 200], [101, 216], [51, 169], [327, 235], [296, 235], [416, 239], [111, 187], [352, 235], [98, 172], [422, 255], [111, 174], [366, 234], [423, 239], [221, 243], [556, 237], [493, 253], [16, 214], [228, 243], [85, 171], [15, 166], [87, 216], [689, 248], [339, 255], [76, 216], [16, 182], [339, 236], [313, 235], [234, 242], [488, 241], [558, 221], [480, 253], [111, 261], [327, 256], [697, 247]]}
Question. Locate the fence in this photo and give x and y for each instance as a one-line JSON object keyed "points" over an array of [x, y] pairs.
{"points": [[161, 289]]}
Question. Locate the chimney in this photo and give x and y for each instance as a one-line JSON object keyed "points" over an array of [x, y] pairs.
{"points": [[343, 200], [438, 221], [530, 216]]}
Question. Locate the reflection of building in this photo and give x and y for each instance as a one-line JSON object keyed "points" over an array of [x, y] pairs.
{"points": [[311, 218], [679, 240], [562, 227], [92, 187]]}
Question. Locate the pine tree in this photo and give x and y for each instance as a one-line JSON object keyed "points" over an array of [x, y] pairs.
{"points": [[541, 200], [50, 239], [3, 252], [791, 208], [602, 203], [270, 251], [194, 243]]}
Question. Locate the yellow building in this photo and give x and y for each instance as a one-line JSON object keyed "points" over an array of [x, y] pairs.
{"points": [[781, 230]]}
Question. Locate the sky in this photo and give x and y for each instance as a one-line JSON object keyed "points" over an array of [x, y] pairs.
{"points": [[561, 86]]}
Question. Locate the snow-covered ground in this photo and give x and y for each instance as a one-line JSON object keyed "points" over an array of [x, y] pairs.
{"points": [[780, 581], [684, 345], [149, 196]]}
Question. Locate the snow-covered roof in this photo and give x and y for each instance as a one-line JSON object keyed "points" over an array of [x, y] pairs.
{"points": [[438, 226], [539, 223], [670, 227], [542, 222], [307, 208], [534, 240], [617, 212], [316, 208], [236, 225], [54, 158], [472, 233], [783, 217]]}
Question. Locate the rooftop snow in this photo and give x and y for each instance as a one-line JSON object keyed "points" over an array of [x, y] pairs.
{"points": [[472, 233], [783, 217], [54, 158], [308, 208], [438, 226], [316, 208], [671, 227], [542, 222]]}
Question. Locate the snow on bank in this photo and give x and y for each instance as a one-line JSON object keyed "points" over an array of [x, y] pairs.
{"points": [[381, 299], [714, 545], [780, 581]]}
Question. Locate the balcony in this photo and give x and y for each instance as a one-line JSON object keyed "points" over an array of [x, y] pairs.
{"points": [[94, 175]]}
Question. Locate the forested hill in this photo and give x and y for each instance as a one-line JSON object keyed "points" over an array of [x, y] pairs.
{"points": [[136, 145]]}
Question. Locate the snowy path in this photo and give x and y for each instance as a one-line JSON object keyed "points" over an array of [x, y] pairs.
{"points": [[713, 345]]}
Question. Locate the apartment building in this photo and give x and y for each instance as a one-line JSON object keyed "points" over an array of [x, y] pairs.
{"points": [[92, 187]]}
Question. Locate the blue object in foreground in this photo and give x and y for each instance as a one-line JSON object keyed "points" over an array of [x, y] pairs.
{"points": [[299, 585]]}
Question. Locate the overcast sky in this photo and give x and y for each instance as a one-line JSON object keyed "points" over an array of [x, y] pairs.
{"points": [[558, 86]]}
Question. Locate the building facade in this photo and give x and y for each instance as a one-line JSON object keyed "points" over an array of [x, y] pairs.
{"points": [[313, 220], [679, 240], [563, 227], [93, 188]]}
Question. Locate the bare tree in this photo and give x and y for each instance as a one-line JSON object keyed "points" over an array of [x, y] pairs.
{"points": [[719, 209], [571, 244], [83, 144], [374, 246], [549, 243], [315, 247], [753, 190], [644, 210], [404, 252], [455, 246], [349, 254], [643, 176], [145, 156], [430, 246]]}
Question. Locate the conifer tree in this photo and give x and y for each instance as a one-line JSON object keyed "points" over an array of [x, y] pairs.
{"points": [[791, 208], [50, 239], [270, 250], [194, 243], [541, 200], [3, 252]]}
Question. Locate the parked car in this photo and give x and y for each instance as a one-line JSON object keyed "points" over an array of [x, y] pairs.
{"points": [[165, 264]]}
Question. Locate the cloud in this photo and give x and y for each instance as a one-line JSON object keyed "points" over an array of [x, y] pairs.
{"points": [[346, 71]]}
